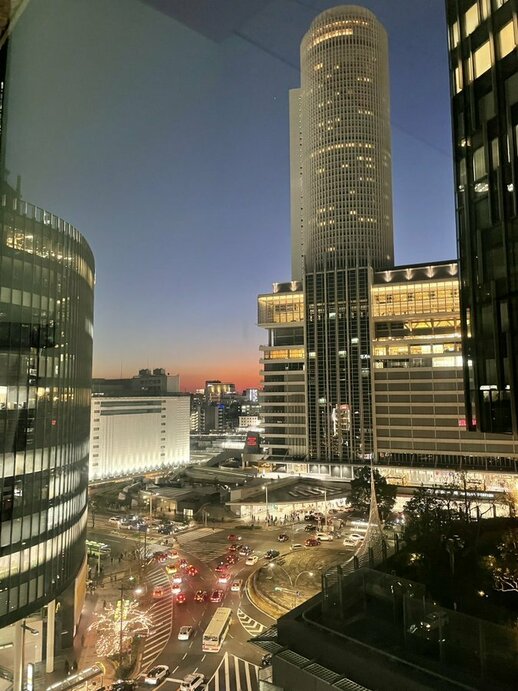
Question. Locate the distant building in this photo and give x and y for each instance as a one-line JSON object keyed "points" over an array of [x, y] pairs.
{"points": [[146, 382], [131, 435], [484, 85], [245, 421], [215, 389], [251, 395]]}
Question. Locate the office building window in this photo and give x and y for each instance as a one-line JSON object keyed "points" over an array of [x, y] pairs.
{"points": [[471, 20], [482, 59], [506, 40]]}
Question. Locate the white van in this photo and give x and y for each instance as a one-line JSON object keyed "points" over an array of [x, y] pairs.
{"points": [[324, 537]]}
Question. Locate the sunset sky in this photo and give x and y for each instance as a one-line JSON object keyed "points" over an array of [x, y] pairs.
{"points": [[163, 137]]}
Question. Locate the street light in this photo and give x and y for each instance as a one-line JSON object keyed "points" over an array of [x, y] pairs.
{"points": [[293, 582], [265, 487]]}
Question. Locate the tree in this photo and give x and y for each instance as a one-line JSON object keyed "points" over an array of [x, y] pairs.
{"points": [[429, 513], [361, 492], [504, 566]]}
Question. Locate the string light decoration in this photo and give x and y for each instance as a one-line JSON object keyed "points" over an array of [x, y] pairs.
{"points": [[121, 622]]}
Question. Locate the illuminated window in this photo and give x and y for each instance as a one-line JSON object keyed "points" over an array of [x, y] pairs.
{"points": [[398, 350], [482, 59], [454, 35], [505, 40], [378, 350], [479, 164], [471, 19], [458, 79]]}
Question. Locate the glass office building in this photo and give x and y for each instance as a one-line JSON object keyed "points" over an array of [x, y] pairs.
{"points": [[484, 84], [46, 312]]}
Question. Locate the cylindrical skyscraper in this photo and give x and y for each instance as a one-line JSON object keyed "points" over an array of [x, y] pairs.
{"points": [[345, 152]]}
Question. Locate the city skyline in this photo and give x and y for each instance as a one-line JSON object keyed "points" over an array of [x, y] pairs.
{"points": [[180, 179]]}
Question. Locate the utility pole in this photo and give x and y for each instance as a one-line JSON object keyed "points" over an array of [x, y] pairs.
{"points": [[121, 630]]}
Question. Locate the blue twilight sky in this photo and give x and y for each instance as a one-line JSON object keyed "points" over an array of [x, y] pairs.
{"points": [[159, 128]]}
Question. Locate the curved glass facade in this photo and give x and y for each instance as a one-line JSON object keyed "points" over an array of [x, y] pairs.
{"points": [[46, 313]]}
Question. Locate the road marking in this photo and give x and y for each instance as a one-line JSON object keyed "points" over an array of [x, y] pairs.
{"points": [[183, 658], [174, 670], [247, 675], [203, 658], [236, 672], [227, 672]]}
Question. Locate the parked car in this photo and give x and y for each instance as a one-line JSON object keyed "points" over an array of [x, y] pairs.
{"points": [[185, 633], [156, 675], [310, 528], [115, 519], [312, 542], [296, 546], [283, 537], [324, 537], [252, 560], [217, 596]]}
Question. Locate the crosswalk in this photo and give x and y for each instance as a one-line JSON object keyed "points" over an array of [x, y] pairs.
{"points": [[234, 674], [161, 613], [196, 534], [251, 626]]}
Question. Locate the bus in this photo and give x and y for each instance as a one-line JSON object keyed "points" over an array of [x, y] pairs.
{"points": [[97, 549], [216, 631], [88, 679]]}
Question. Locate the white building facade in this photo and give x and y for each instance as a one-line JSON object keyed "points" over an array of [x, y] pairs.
{"points": [[136, 434]]}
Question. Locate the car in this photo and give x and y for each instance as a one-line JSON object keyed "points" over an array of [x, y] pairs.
{"points": [[171, 569], [180, 599], [271, 554], [312, 542], [176, 587], [252, 560], [296, 546], [224, 578], [245, 550], [184, 633], [177, 578], [200, 596], [192, 570], [311, 517], [310, 528], [160, 591], [231, 559], [266, 660], [183, 563], [430, 626], [324, 537], [217, 596], [236, 585], [193, 682], [283, 537], [115, 519], [123, 685], [160, 557], [221, 568], [165, 529], [172, 553], [233, 547], [233, 537], [156, 675]]}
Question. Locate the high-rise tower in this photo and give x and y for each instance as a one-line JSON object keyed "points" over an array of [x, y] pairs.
{"points": [[343, 221], [483, 38], [342, 204]]}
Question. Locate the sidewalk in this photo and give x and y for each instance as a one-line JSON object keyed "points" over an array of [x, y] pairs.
{"points": [[83, 650]]}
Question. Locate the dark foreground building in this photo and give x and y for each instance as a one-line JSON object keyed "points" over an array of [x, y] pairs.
{"points": [[484, 84]]}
